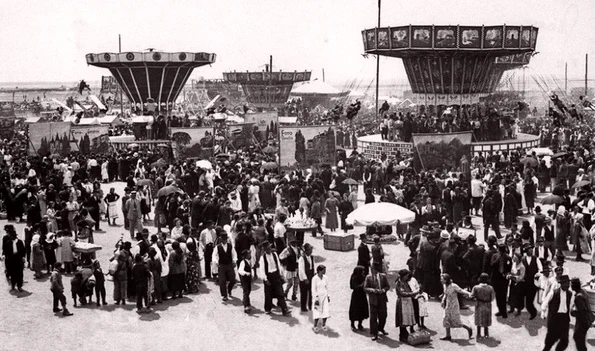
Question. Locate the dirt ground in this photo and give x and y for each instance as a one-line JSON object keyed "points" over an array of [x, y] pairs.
{"points": [[204, 322]]}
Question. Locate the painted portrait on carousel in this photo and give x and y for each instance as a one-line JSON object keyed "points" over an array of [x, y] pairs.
{"points": [[422, 37], [512, 37], [445, 37], [526, 37], [470, 37], [400, 37], [371, 39], [383, 38], [493, 37]]}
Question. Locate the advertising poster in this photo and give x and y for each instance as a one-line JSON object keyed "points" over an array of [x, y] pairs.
{"points": [[306, 147], [470, 37], [265, 124], [90, 139], [450, 151], [422, 37], [47, 139], [192, 142]]}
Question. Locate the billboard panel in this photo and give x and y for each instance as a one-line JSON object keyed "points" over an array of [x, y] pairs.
{"points": [[306, 147], [440, 150], [192, 142]]}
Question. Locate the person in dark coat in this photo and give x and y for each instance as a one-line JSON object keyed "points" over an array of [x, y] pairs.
{"points": [[93, 208], [363, 254], [428, 265], [376, 286], [473, 259], [196, 210], [583, 314], [501, 265], [13, 250], [358, 306], [556, 306]]}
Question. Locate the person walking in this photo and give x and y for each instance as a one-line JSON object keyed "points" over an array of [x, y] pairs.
{"points": [[305, 275], [225, 258], [452, 311], [376, 285], [245, 273], [358, 306], [207, 242], [556, 306], [289, 259], [57, 289], [363, 254], [13, 250], [321, 311], [501, 265], [583, 314], [331, 207], [271, 275], [134, 214], [484, 294]]}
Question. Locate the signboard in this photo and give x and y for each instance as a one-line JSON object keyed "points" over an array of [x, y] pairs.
{"points": [[265, 124], [306, 147], [90, 139], [432, 151], [192, 142], [46, 139]]}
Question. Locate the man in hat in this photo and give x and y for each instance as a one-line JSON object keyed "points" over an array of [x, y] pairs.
{"points": [[207, 241], [556, 306], [305, 275], [125, 199], [532, 267], [376, 286], [474, 259], [224, 256], [363, 254], [583, 314], [134, 214], [13, 250], [549, 238], [501, 267], [270, 271], [196, 208], [289, 259], [560, 260]]}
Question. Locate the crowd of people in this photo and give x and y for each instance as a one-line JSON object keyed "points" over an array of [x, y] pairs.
{"points": [[230, 220]]}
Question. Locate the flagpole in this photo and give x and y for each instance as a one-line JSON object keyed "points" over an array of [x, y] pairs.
{"points": [[378, 63], [121, 97]]}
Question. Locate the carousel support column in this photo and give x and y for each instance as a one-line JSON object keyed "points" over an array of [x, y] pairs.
{"points": [[378, 61], [140, 98], [161, 88]]}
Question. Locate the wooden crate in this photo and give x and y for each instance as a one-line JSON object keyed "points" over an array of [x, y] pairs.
{"points": [[339, 242]]}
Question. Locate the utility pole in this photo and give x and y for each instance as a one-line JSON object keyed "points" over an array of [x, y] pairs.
{"points": [[378, 62], [586, 74], [566, 78], [323, 78]]}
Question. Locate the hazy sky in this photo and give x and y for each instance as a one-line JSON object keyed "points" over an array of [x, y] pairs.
{"points": [[47, 40]]}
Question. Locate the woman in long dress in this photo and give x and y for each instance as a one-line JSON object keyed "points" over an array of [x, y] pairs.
{"points": [[104, 172], [345, 208], [38, 256], [321, 299], [516, 295], [111, 200], [192, 266], [452, 311], [331, 207], [253, 195], [358, 306], [484, 294], [405, 312]]}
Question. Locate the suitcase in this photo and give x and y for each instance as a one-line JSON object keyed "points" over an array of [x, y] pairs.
{"points": [[419, 337]]}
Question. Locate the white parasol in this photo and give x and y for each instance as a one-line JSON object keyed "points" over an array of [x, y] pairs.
{"points": [[380, 213]]}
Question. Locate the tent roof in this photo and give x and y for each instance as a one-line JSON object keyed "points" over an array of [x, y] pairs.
{"points": [[315, 87]]}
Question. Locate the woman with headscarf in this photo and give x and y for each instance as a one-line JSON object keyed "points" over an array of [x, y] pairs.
{"points": [[484, 294], [331, 209], [38, 256], [192, 266], [177, 267], [358, 306], [124, 259], [405, 312]]}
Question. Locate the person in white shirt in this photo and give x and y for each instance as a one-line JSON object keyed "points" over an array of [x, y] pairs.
{"points": [[207, 243], [279, 233], [305, 275], [224, 256], [477, 188], [270, 272], [556, 307], [245, 273]]}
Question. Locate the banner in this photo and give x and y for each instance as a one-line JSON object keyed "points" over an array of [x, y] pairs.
{"points": [[46, 139], [438, 150], [192, 142], [265, 124], [90, 139], [306, 147]]}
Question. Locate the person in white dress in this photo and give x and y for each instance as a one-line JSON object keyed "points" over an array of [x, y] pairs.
{"points": [[104, 173], [321, 298], [253, 194]]}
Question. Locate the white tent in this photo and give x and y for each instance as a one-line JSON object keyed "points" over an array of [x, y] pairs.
{"points": [[315, 87]]}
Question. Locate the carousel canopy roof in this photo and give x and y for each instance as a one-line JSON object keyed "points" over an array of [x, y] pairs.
{"points": [[155, 75]]}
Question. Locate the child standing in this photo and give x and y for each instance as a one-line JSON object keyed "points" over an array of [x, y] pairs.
{"points": [[77, 288], [66, 245], [245, 272], [484, 295], [422, 300], [57, 289], [99, 283]]}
